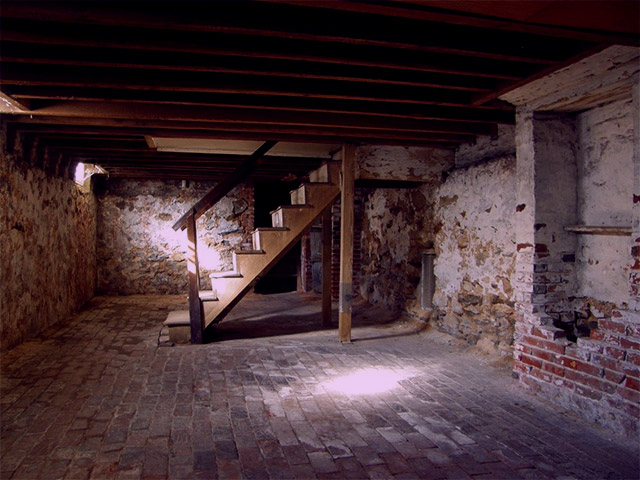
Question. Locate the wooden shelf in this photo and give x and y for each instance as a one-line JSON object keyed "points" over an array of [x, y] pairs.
{"points": [[598, 230]]}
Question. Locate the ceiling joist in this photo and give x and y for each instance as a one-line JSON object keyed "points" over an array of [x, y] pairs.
{"points": [[92, 81]]}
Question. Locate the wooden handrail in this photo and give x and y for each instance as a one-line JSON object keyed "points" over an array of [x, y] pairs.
{"points": [[225, 186]]}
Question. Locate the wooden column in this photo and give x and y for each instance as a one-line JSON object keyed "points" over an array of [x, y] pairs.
{"points": [[346, 243], [326, 267], [195, 305]]}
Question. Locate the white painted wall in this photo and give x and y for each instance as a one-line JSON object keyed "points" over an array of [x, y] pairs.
{"points": [[605, 186]]}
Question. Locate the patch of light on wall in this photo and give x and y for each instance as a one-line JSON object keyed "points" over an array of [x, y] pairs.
{"points": [[367, 382], [85, 170], [209, 258]]}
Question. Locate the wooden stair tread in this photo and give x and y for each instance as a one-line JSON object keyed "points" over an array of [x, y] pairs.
{"points": [[177, 318], [286, 207], [248, 252], [303, 184], [271, 229], [207, 296], [230, 274]]}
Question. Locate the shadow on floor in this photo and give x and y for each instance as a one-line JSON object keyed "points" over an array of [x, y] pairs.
{"points": [[289, 313]]}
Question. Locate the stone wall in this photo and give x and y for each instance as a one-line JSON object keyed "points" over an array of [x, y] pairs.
{"points": [[397, 228], [466, 216], [138, 250], [47, 251], [475, 247]]}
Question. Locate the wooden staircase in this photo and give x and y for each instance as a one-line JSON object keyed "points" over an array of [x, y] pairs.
{"points": [[289, 222]]}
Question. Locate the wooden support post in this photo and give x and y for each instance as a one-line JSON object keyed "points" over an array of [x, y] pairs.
{"points": [[346, 243], [196, 316], [326, 267]]}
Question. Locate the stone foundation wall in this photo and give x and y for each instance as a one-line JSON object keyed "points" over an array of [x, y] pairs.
{"points": [[47, 250], [466, 216], [475, 247], [397, 228], [138, 250]]}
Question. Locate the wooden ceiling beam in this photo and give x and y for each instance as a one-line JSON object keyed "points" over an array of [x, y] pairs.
{"points": [[250, 120], [179, 131], [347, 55], [439, 13], [167, 157], [126, 163], [132, 79], [269, 104], [153, 119], [265, 131], [50, 55], [245, 20]]}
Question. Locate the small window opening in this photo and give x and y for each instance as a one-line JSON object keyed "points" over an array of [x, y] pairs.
{"points": [[83, 174], [428, 280]]}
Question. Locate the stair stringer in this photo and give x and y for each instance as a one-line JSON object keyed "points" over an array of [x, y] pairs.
{"points": [[275, 243]]}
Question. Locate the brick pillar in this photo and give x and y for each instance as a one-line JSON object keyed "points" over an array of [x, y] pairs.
{"points": [[547, 147]]}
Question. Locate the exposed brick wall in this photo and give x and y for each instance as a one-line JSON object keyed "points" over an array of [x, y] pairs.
{"points": [[598, 375]]}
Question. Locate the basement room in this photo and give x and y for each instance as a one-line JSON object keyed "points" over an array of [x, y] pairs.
{"points": [[287, 239]]}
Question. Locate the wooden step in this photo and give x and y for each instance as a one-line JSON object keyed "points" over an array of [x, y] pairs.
{"points": [[179, 323], [327, 172], [299, 195], [255, 235], [208, 295], [229, 274], [179, 326], [271, 244], [279, 215], [320, 174]]}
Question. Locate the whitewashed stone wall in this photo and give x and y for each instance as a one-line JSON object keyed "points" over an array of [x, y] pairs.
{"points": [[467, 218], [138, 250], [397, 228], [475, 248]]}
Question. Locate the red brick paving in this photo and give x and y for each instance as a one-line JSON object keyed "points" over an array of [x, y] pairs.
{"points": [[96, 397]]}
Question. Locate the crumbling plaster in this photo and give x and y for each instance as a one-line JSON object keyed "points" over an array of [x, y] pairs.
{"points": [[138, 250], [475, 253], [47, 258], [605, 186], [397, 228], [402, 163], [463, 214]]}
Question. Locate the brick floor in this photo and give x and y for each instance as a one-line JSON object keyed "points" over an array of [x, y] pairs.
{"points": [[97, 397]]}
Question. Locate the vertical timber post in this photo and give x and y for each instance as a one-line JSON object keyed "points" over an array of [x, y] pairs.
{"points": [[326, 267], [346, 243], [195, 305]]}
